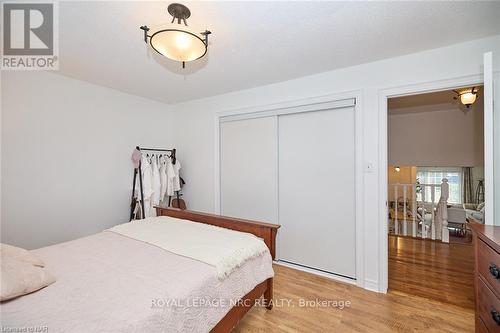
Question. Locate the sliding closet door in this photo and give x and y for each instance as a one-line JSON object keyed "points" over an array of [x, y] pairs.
{"points": [[317, 190], [248, 168]]}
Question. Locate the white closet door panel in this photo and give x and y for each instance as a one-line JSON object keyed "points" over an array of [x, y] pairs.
{"points": [[317, 190], [248, 167]]}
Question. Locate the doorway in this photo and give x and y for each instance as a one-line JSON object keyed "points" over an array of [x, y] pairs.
{"points": [[435, 190], [486, 78]]}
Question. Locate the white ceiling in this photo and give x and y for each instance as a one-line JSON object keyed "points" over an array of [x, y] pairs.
{"points": [[255, 43]]}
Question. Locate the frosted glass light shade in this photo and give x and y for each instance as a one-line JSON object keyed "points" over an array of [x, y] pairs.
{"points": [[178, 44], [468, 98]]}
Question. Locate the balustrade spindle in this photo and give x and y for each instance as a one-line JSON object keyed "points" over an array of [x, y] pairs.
{"points": [[396, 226], [433, 225], [445, 233], [424, 232], [405, 226], [414, 211]]}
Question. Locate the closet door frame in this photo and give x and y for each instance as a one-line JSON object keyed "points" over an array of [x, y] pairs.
{"points": [[339, 100]]}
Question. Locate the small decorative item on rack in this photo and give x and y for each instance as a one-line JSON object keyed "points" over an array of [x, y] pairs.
{"points": [[178, 42], [178, 202]]}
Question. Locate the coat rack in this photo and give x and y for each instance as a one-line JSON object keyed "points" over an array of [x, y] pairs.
{"points": [[138, 170]]}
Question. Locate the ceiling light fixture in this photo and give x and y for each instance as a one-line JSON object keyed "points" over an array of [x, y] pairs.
{"points": [[467, 96], [178, 42], [397, 168]]}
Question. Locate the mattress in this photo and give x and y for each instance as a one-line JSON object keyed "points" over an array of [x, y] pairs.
{"points": [[110, 283]]}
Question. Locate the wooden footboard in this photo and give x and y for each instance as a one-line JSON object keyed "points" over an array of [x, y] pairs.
{"points": [[234, 315], [266, 231]]}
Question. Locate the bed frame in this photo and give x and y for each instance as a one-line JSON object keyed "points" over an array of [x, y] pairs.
{"points": [[266, 231]]}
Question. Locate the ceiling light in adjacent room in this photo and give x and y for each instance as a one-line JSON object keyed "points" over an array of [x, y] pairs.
{"points": [[397, 169], [177, 41], [467, 96]]}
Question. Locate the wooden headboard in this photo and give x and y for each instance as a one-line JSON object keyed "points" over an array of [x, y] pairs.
{"points": [[266, 231]]}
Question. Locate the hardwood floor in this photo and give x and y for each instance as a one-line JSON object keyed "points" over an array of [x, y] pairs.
{"points": [[368, 311], [431, 269]]}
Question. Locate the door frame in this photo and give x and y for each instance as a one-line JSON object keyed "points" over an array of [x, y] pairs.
{"points": [[306, 105], [400, 91]]}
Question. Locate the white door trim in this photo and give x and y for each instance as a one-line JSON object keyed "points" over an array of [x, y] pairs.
{"points": [[299, 108], [305, 105], [383, 95], [489, 202]]}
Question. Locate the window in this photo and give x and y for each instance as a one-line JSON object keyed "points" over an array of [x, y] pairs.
{"points": [[426, 175]]}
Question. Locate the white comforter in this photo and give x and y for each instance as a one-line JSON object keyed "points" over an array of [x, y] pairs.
{"points": [[115, 284], [222, 248]]}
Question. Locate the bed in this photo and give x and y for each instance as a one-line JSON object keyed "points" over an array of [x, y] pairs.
{"points": [[111, 283]]}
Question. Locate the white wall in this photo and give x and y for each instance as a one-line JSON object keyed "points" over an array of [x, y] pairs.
{"points": [[196, 137], [446, 137], [66, 146]]}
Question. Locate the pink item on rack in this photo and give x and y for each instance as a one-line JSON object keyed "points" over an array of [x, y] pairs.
{"points": [[136, 158]]}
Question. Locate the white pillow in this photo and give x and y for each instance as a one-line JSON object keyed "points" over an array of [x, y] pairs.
{"points": [[19, 254], [20, 278]]}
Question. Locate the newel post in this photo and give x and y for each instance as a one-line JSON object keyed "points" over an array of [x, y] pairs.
{"points": [[445, 234]]}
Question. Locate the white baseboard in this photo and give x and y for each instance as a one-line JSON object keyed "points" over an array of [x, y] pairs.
{"points": [[372, 285], [314, 271]]}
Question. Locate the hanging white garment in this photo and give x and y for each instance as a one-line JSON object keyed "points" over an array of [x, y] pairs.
{"points": [[177, 178], [163, 177], [147, 185], [170, 177], [155, 180]]}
